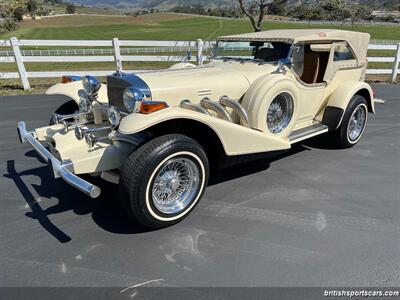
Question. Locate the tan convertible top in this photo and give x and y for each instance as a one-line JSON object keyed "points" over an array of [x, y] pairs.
{"points": [[357, 40]]}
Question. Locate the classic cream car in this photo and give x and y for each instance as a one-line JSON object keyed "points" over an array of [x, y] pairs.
{"points": [[159, 134]]}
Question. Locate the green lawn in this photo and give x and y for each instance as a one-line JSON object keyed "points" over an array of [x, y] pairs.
{"points": [[159, 27]]}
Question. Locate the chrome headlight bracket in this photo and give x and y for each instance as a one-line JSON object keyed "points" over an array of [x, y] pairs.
{"points": [[84, 105]]}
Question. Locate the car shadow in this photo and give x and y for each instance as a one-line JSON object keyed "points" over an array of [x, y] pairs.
{"points": [[105, 210], [261, 163], [321, 142]]}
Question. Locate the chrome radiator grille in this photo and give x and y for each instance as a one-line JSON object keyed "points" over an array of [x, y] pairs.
{"points": [[115, 91]]}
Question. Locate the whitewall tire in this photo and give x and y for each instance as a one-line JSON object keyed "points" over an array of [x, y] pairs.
{"points": [[352, 125], [163, 180]]}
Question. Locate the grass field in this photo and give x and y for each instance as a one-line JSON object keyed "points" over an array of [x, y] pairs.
{"points": [[163, 27], [149, 27]]}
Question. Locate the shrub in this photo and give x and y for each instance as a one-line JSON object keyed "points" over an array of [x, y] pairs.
{"points": [[7, 25]]}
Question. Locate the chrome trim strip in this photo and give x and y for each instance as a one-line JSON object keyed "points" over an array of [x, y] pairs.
{"points": [[59, 169], [307, 132]]}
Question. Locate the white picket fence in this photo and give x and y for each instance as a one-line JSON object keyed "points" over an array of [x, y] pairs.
{"points": [[20, 56]]}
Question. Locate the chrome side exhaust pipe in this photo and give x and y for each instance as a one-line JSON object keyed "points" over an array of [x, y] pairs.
{"points": [[237, 109], [218, 108], [195, 107]]}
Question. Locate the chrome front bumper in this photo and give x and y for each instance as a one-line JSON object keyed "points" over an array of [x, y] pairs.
{"points": [[57, 168]]}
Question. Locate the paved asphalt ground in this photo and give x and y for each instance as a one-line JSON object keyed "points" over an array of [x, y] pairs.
{"points": [[313, 217]]}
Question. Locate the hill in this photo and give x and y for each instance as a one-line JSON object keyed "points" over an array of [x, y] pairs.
{"points": [[156, 4]]}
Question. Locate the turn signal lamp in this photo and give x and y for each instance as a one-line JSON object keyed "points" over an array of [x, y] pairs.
{"points": [[148, 107], [70, 78]]}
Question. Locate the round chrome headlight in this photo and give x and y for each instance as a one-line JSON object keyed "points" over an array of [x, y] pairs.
{"points": [[91, 85], [132, 99], [114, 117], [84, 105]]}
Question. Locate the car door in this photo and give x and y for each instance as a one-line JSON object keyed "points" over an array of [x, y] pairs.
{"points": [[342, 67], [310, 61]]}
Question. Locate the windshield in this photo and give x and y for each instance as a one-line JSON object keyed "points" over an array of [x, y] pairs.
{"points": [[264, 51]]}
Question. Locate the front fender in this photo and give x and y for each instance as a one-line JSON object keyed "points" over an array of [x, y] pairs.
{"points": [[181, 66], [74, 90], [235, 139]]}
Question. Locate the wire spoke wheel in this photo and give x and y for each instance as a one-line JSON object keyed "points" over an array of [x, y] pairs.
{"points": [[176, 184], [357, 123], [280, 113]]}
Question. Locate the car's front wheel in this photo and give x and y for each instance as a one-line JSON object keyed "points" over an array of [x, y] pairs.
{"points": [[353, 123], [163, 180]]}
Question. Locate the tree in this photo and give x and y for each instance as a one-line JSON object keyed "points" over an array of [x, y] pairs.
{"points": [[32, 7], [278, 10], [306, 11], [260, 7], [11, 11], [337, 10], [18, 14], [70, 9], [9, 7], [7, 25], [359, 12]]}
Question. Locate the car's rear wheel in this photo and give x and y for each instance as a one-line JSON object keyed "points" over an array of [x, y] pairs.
{"points": [[163, 180], [353, 123]]}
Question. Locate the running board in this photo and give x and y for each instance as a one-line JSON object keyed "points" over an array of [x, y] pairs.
{"points": [[307, 132]]}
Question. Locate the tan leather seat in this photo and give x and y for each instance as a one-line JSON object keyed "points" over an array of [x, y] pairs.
{"points": [[311, 67]]}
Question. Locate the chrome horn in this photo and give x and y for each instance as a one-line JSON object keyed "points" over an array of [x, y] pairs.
{"points": [[58, 119], [91, 139], [71, 125], [80, 132]]}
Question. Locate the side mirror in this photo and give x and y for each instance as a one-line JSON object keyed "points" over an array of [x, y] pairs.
{"points": [[282, 63]]}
